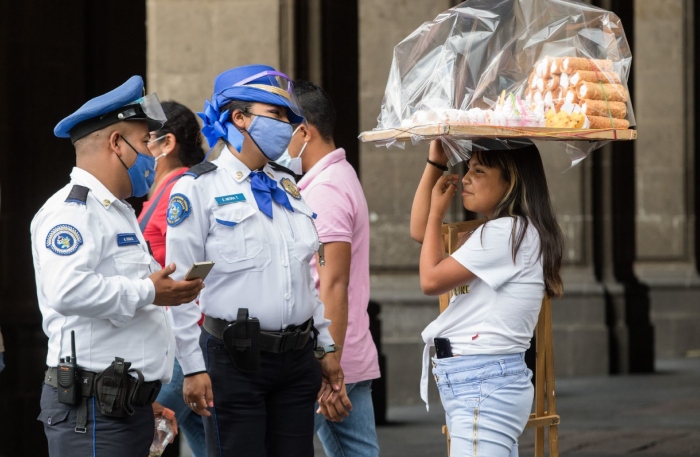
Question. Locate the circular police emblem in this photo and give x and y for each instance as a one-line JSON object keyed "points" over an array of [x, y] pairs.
{"points": [[64, 239], [178, 209], [291, 188]]}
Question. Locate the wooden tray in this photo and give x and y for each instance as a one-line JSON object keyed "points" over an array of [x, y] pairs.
{"points": [[430, 131]]}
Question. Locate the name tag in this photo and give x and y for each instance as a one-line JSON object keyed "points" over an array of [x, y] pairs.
{"points": [[226, 199], [125, 239]]}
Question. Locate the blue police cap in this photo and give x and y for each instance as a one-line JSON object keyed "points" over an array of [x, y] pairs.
{"points": [[125, 103], [257, 83]]}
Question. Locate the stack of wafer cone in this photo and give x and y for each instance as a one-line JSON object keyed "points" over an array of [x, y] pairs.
{"points": [[580, 85]]}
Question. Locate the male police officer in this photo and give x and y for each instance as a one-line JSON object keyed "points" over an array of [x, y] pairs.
{"points": [[96, 279]]}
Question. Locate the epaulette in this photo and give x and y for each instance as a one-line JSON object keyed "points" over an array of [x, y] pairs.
{"points": [[200, 169], [78, 194], [277, 167]]}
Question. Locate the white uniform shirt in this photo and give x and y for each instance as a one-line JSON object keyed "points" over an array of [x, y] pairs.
{"points": [[260, 263], [496, 313], [92, 266]]}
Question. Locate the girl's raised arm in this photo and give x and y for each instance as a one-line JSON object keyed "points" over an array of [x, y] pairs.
{"points": [[421, 201]]}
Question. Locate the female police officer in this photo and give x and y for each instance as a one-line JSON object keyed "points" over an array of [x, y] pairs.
{"points": [[245, 213]]}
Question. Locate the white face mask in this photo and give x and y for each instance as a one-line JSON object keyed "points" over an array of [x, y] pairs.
{"points": [[293, 163], [158, 158], [155, 140]]}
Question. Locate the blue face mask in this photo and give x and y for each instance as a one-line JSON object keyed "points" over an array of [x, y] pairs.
{"points": [[270, 135], [142, 173]]}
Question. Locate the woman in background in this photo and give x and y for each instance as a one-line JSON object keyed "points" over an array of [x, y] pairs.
{"points": [[177, 147]]}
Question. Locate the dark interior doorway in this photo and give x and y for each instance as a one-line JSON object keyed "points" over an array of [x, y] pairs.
{"points": [[54, 56], [339, 65]]}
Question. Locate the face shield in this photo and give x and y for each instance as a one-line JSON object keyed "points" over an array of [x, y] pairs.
{"points": [[146, 108]]}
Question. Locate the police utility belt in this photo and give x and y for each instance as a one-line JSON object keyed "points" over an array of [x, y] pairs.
{"points": [[244, 340], [116, 392]]}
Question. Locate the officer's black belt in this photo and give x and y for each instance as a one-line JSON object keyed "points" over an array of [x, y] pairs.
{"points": [[146, 394], [292, 337]]}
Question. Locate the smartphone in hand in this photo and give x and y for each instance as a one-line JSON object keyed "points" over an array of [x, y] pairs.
{"points": [[199, 270]]}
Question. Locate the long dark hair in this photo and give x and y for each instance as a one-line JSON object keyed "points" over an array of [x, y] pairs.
{"points": [[527, 200], [183, 124]]}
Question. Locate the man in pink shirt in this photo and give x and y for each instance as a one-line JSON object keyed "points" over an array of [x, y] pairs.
{"points": [[331, 188]]}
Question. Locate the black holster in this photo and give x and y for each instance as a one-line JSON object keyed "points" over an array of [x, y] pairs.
{"points": [[242, 342], [115, 389]]}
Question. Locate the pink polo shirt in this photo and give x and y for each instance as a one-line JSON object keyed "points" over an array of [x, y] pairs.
{"points": [[332, 190]]}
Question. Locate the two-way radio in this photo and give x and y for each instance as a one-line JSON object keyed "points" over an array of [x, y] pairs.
{"points": [[68, 387]]}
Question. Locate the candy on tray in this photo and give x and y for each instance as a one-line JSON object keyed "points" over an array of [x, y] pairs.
{"points": [[565, 120]]}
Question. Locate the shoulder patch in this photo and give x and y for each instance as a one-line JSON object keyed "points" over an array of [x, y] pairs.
{"points": [[277, 167], [78, 194], [290, 188], [200, 169], [179, 208], [64, 239]]}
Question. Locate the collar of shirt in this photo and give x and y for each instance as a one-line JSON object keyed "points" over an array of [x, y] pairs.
{"points": [[328, 160], [166, 179], [230, 162], [103, 195]]}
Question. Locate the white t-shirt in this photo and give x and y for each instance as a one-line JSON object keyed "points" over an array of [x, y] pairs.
{"points": [[496, 313]]}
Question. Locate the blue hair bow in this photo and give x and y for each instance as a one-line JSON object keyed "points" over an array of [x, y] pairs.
{"points": [[218, 126]]}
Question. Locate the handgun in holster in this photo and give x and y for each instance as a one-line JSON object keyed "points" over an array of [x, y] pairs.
{"points": [[115, 389], [242, 342]]}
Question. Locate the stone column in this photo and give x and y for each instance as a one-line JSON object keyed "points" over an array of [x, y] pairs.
{"points": [[192, 41], [665, 187], [580, 336]]}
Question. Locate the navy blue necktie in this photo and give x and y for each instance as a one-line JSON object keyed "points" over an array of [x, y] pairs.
{"points": [[265, 190]]}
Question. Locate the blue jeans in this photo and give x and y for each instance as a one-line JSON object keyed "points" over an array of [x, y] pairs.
{"points": [[2, 361], [355, 435], [487, 401], [188, 422]]}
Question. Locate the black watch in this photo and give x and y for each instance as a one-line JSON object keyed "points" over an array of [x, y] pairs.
{"points": [[320, 352]]}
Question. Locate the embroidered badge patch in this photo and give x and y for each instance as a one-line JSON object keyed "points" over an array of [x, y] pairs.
{"points": [[226, 199], [291, 188], [178, 209], [64, 239], [125, 239]]}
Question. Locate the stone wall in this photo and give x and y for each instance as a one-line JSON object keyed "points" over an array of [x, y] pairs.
{"points": [[192, 41], [665, 187]]}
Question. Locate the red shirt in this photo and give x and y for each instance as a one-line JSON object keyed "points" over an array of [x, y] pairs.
{"points": [[157, 226]]}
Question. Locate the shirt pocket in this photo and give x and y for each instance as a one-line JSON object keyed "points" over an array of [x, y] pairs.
{"points": [[134, 264], [306, 240], [239, 237]]}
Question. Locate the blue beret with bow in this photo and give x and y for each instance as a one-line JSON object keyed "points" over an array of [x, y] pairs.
{"points": [[249, 83]]}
